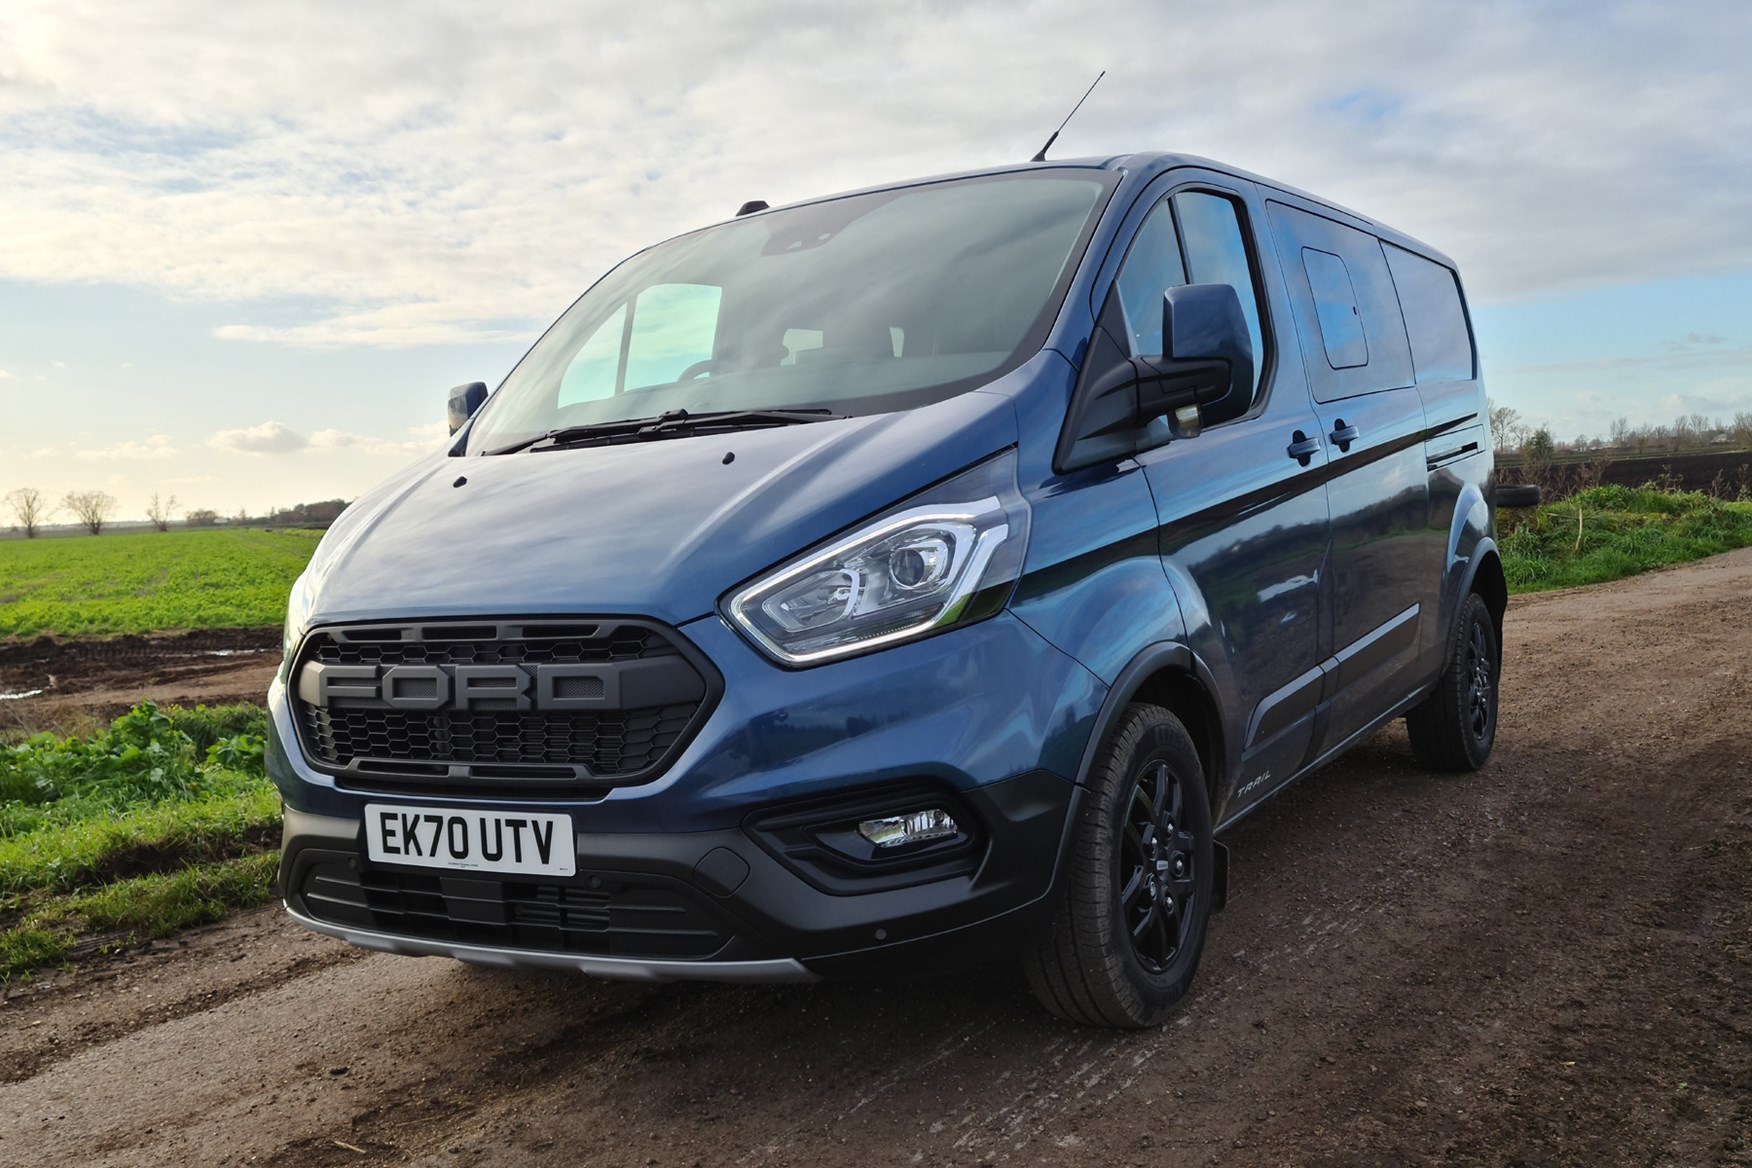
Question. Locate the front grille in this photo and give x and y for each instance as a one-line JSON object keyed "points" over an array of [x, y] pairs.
{"points": [[601, 915], [443, 706]]}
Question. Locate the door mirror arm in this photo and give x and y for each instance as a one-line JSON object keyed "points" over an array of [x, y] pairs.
{"points": [[1209, 359]]}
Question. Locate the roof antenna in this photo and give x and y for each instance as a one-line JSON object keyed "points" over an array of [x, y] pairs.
{"points": [[1041, 157]]}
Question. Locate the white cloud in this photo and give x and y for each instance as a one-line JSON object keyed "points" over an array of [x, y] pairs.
{"points": [[276, 438], [423, 441], [267, 438], [159, 446], [427, 172]]}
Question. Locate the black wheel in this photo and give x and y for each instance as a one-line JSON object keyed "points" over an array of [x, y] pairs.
{"points": [[1517, 495], [1130, 924], [1454, 728]]}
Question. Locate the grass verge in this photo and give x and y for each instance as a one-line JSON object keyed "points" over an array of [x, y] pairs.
{"points": [[163, 820], [57, 929], [1607, 533]]}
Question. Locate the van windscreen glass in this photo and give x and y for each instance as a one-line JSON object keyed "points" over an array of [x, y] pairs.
{"points": [[857, 305]]}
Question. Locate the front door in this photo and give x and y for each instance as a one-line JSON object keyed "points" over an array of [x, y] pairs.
{"points": [[1242, 507]]}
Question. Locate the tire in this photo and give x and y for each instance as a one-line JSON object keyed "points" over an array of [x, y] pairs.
{"points": [[1454, 728], [1129, 926], [1517, 495]]}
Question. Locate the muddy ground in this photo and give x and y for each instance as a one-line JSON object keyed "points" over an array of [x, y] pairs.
{"points": [[59, 684], [1548, 963]]}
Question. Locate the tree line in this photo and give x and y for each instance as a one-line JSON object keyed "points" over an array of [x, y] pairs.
{"points": [[31, 511], [1511, 434]]}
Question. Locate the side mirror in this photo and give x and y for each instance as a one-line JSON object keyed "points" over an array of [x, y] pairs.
{"points": [[1207, 356], [1205, 376], [464, 401]]}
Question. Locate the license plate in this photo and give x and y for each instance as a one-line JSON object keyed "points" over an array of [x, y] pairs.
{"points": [[522, 842]]}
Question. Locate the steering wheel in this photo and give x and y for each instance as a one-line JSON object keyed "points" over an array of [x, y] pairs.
{"points": [[694, 370]]}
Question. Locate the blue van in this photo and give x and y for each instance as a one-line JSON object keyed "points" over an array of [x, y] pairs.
{"points": [[903, 578]]}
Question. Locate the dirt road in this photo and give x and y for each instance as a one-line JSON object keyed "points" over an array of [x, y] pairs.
{"points": [[1546, 963]]}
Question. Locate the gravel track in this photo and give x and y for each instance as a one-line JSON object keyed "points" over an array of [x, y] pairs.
{"points": [[1549, 962]]}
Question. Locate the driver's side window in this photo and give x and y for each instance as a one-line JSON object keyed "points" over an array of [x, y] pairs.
{"points": [[1216, 252], [669, 334], [1152, 266]]}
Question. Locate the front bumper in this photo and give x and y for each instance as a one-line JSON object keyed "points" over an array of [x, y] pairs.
{"points": [[619, 968], [724, 905], [679, 878]]}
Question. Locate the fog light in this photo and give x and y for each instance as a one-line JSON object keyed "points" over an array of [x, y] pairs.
{"points": [[916, 827]]}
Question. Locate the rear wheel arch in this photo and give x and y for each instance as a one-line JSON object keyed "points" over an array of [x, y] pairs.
{"points": [[1490, 583]]}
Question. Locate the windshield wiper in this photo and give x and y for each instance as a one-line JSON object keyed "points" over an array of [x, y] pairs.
{"points": [[670, 424]]}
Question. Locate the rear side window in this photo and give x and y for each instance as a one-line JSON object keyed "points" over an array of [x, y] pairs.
{"points": [[1337, 274], [673, 328], [1335, 304], [1435, 319]]}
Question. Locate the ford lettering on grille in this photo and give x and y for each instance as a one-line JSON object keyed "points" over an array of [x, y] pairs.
{"points": [[608, 686]]}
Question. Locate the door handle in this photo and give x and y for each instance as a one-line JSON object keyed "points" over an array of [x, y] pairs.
{"points": [[1342, 436], [1304, 448]]}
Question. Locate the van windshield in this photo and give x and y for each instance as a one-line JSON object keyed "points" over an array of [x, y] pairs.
{"points": [[857, 305]]}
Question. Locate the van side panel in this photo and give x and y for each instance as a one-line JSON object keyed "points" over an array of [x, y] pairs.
{"points": [[1386, 569], [1457, 451]]}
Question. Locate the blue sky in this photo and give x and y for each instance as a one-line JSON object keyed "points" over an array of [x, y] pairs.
{"points": [[244, 250]]}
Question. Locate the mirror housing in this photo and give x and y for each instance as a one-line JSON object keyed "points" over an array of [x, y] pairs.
{"points": [[1208, 366], [1208, 354], [464, 401]]}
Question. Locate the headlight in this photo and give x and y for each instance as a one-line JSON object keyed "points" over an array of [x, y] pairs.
{"points": [[944, 557]]}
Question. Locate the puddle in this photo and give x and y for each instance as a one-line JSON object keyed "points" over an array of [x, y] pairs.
{"points": [[13, 697], [229, 652]]}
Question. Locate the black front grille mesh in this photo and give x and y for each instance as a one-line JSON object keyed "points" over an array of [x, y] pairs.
{"points": [[438, 750], [610, 744], [602, 915]]}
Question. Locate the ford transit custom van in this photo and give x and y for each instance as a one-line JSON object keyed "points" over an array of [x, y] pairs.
{"points": [[900, 579]]}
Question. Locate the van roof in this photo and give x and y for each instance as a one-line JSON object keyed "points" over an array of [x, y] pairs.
{"points": [[1149, 164]]}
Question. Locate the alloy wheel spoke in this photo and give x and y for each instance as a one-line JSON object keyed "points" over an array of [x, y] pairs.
{"points": [[1150, 920], [1169, 938], [1132, 887]]}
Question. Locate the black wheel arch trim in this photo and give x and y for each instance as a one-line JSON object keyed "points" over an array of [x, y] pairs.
{"points": [[1149, 661]]}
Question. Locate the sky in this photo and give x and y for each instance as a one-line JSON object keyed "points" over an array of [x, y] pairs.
{"points": [[245, 249]]}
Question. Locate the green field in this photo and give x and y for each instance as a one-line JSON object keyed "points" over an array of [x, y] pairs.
{"points": [[143, 582], [1607, 533], [166, 819]]}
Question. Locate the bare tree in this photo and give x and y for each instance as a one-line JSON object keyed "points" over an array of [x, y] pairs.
{"points": [[1741, 430], [1504, 422], [201, 517], [91, 508], [160, 513], [29, 509]]}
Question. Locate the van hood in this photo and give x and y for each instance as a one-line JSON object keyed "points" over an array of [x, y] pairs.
{"points": [[658, 529]]}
